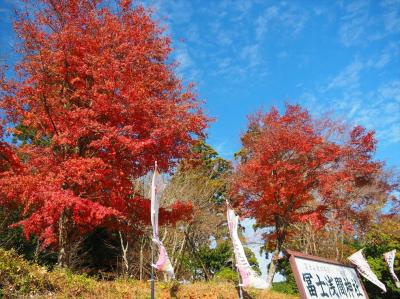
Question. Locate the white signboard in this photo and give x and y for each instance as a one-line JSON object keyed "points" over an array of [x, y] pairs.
{"points": [[318, 278]]}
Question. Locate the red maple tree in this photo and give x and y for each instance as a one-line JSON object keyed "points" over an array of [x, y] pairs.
{"points": [[294, 169], [96, 101]]}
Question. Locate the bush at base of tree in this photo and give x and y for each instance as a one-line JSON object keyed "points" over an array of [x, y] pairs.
{"points": [[216, 261], [227, 274], [17, 276], [289, 285], [285, 287]]}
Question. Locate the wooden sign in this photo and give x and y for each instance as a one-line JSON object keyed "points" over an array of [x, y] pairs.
{"points": [[317, 277]]}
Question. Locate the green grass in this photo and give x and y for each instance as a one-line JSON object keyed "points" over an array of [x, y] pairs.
{"points": [[284, 287]]}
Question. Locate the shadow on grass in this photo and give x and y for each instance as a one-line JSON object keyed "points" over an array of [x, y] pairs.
{"points": [[245, 294]]}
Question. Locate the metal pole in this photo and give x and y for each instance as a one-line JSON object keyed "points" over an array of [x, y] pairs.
{"points": [[240, 283], [152, 271]]}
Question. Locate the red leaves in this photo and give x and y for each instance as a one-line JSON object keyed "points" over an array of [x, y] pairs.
{"points": [[316, 218], [292, 170], [8, 160], [178, 211], [44, 221], [363, 140], [103, 102], [125, 4]]}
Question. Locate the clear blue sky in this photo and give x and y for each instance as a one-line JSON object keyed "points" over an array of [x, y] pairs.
{"points": [[338, 57]]}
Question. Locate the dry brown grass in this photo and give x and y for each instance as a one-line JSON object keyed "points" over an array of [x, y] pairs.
{"points": [[20, 279], [137, 290]]}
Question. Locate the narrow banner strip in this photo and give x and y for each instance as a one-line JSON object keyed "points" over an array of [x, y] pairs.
{"points": [[389, 258], [157, 187], [364, 269], [163, 263], [248, 275]]}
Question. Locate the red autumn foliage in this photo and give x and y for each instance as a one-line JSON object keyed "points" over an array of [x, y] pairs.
{"points": [[295, 169], [9, 162], [98, 91]]}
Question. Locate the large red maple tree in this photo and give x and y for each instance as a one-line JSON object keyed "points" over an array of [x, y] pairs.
{"points": [[96, 101], [293, 168]]}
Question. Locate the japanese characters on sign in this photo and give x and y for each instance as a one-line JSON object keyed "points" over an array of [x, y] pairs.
{"points": [[321, 279]]}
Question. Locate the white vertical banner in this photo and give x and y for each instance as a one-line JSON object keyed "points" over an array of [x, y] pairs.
{"points": [[249, 277], [364, 269], [157, 187], [389, 258]]}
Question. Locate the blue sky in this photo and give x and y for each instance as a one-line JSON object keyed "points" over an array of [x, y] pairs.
{"points": [[341, 58], [338, 57]]}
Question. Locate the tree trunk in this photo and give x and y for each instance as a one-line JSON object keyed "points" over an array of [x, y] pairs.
{"points": [[272, 267], [124, 253], [280, 228], [207, 275], [141, 260], [313, 241], [336, 246], [37, 252], [177, 261], [64, 254], [341, 244]]}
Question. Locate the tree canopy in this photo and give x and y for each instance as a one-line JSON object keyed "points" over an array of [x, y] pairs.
{"points": [[96, 102], [296, 169]]}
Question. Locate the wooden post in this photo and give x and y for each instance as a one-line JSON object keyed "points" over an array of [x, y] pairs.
{"points": [[152, 271], [240, 283], [141, 260]]}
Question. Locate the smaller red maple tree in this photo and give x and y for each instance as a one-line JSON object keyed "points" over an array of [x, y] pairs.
{"points": [[295, 169]]}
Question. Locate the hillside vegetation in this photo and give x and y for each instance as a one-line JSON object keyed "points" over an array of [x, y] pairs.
{"points": [[21, 279]]}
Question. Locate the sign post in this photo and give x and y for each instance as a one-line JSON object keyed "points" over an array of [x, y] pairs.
{"points": [[318, 277], [152, 272], [239, 284]]}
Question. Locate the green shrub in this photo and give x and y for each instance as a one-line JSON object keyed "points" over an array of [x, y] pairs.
{"points": [[18, 277], [227, 274], [284, 287]]}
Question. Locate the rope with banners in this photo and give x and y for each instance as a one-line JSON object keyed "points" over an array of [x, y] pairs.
{"points": [[163, 262]]}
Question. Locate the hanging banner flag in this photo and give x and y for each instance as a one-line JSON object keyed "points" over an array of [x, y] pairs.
{"points": [[389, 258], [163, 263], [157, 187], [249, 277], [364, 269]]}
